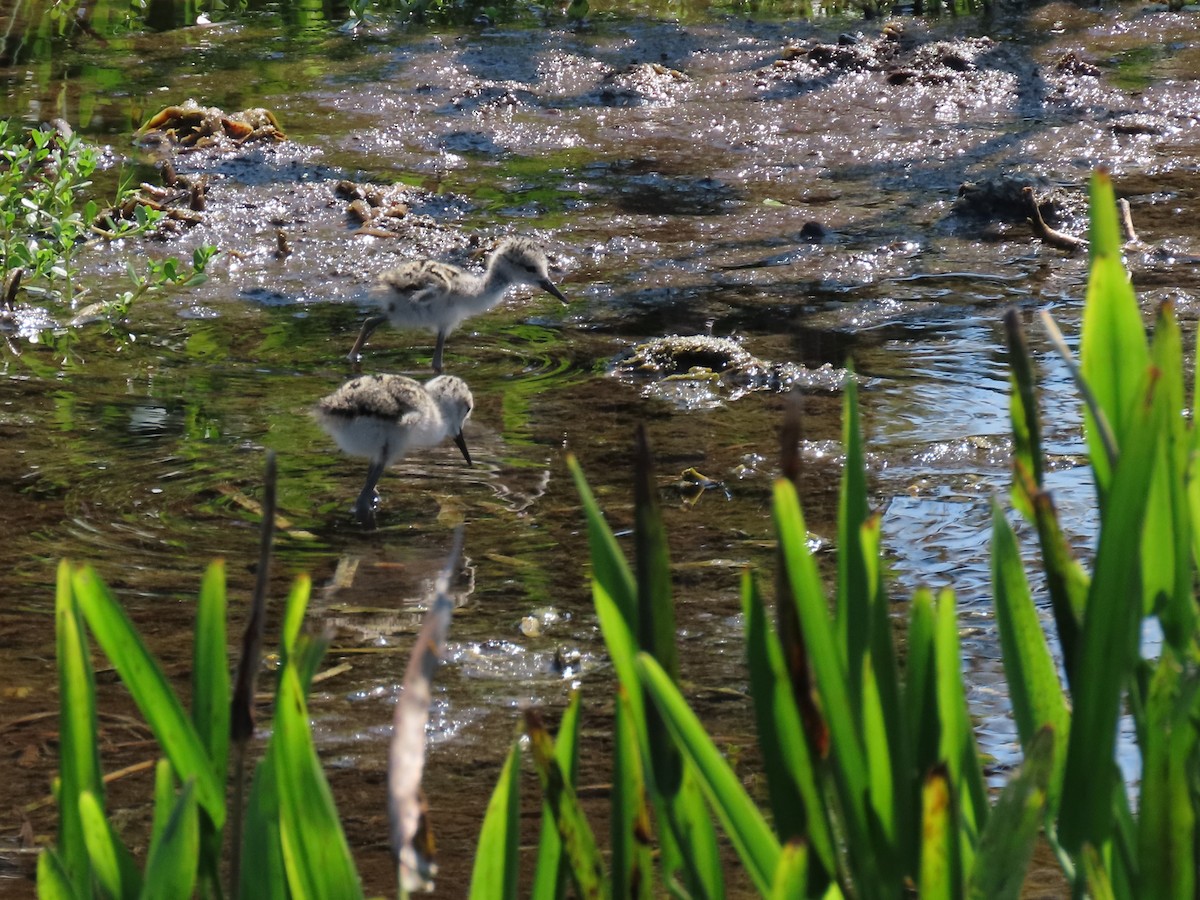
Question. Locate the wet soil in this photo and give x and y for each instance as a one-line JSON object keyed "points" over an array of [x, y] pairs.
{"points": [[792, 187]]}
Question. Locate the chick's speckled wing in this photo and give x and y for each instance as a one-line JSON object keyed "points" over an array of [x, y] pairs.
{"points": [[389, 397]]}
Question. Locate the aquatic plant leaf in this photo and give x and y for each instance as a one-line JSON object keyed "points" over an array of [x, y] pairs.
{"points": [[78, 730], [880, 776], [495, 871], [920, 685], [630, 829], [171, 861], [852, 601], [1037, 696], [1109, 640], [210, 702], [1006, 845], [797, 802], [791, 875], [940, 860], [579, 844], [151, 691], [1099, 885], [53, 882], [406, 749], [609, 567], [847, 755], [1113, 350], [1166, 841], [957, 748], [551, 875], [752, 838], [210, 669], [315, 854], [164, 798], [112, 864], [261, 841], [1167, 537], [655, 608]]}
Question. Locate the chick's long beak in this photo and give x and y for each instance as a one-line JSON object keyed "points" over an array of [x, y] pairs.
{"points": [[462, 445], [549, 288]]}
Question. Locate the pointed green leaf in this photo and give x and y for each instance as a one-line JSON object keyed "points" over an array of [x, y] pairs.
{"points": [[791, 875], [579, 843], [78, 749], [315, 853], [939, 875], [495, 871], [551, 874], [1037, 696], [1006, 845], [753, 839], [630, 828], [151, 691], [112, 863], [171, 862], [957, 745], [53, 882], [796, 798], [1109, 640], [1113, 351]]}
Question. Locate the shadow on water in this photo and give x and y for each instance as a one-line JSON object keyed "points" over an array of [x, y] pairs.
{"points": [[687, 175]]}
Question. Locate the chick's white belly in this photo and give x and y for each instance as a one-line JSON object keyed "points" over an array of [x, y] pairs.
{"points": [[368, 437]]}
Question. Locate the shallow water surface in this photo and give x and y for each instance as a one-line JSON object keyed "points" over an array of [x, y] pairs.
{"points": [[696, 178]]}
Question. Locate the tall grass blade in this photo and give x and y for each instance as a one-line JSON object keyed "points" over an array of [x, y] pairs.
{"points": [[112, 864], [210, 704], [154, 697], [78, 730], [210, 670], [1167, 833], [1037, 697], [854, 619], [791, 875], [579, 844], [797, 801], [551, 875], [630, 829], [1113, 351], [1006, 845], [1166, 539], [940, 876], [920, 688], [267, 878], [829, 668], [753, 839], [655, 608], [53, 881], [171, 862], [495, 872], [315, 853], [957, 746], [1095, 873], [406, 749], [1109, 641]]}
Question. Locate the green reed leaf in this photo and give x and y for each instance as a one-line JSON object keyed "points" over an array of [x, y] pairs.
{"points": [[150, 690], [78, 747], [752, 838], [1006, 845], [315, 853], [1037, 696], [495, 871], [551, 873]]}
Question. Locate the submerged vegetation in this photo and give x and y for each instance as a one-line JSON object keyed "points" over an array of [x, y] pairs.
{"points": [[874, 784]]}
